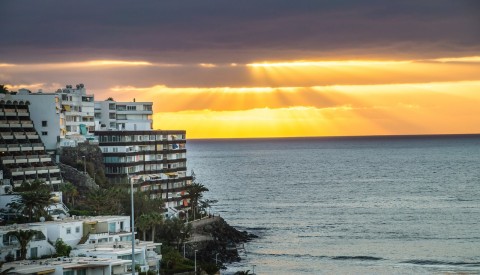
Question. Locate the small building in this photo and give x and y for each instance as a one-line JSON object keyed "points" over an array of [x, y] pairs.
{"points": [[37, 247], [70, 266]]}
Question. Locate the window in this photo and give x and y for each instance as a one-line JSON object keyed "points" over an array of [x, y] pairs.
{"points": [[147, 107], [131, 108], [69, 230], [111, 115], [44, 123], [44, 133], [77, 229]]}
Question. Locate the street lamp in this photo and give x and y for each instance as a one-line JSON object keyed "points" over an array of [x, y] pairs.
{"points": [[253, 273], [84, 165], [216, 258], [196, 262], [133, 225]]}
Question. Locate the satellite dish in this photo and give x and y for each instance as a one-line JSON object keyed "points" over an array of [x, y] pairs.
{"points": [[61, 216], [42, 219]]}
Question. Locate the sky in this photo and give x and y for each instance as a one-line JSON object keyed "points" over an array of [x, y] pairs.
{"points": [[258, 68]]}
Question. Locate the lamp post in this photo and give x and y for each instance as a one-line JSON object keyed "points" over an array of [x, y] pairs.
{"points": [[253, 273], [196, 262], [133, 224], [216, 259]]}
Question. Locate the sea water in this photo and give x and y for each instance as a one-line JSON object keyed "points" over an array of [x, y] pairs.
{"points": [[369, 205]]}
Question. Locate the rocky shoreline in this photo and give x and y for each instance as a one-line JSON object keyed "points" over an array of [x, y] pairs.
{"points": [[216, 240]]}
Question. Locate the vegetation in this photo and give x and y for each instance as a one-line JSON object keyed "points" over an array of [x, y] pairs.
{"points": [[85, 156], [69, 192], [3, 89], [174, 232], [195, 193], [62, 249], [33, 200], [173, 262], [24, 237]]}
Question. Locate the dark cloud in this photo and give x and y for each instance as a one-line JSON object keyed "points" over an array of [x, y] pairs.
{"points": [[234, 31]]}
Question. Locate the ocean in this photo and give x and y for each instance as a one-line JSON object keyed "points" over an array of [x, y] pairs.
{"points": [[357, 205]]}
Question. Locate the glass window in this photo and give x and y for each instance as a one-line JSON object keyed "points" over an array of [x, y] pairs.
{"points": [[44, 123], [69, 230]]}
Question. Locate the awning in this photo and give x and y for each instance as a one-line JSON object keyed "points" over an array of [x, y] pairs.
{"points": [[171, 174], [66, 107]]}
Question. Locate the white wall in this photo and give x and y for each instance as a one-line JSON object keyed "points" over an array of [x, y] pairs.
{"points": [[43, 107]]}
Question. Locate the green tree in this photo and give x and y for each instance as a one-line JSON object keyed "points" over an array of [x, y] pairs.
{"points": [[174, 232], [24, 237], [247, 272], [70, 192], [62, 249], [3, 89], [155, 219], [143, 224], [33, 200], [195, 193]]}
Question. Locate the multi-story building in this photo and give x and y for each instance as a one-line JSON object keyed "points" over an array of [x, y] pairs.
{"points": [[47, 116], [154, 161], [79, 110], [23, 156], [63, 117], [38, 246], [131, 116]]}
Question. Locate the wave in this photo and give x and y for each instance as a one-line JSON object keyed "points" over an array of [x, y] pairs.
{"points": [[358, 258], [435, 262], [362, 258]]}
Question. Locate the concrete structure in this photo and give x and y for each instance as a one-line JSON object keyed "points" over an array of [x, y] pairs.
{"points": [[131, 116], [89, 230], [71, 266], [23, 155], [37, 247], [45, 112], [62, 118], [104, 238], [155, 161], [147, 254]]}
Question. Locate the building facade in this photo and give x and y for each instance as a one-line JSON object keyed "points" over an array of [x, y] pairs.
{"points": [[131, 116], [23, 155], [154, 161], [62, 118]]}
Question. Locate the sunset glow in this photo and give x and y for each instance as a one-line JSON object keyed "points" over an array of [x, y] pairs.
{"points": [[250, 69]]}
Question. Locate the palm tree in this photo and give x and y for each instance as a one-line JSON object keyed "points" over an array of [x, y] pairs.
{"points": [[143, 224], [155, 219], [70, 192], [33, 200], [194, 192], [23, 237]]}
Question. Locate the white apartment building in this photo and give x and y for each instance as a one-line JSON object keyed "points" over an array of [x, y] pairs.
{"points": [[130, 116], [47, 116], [62, 118], [70, 266], [23, 155]]}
